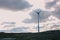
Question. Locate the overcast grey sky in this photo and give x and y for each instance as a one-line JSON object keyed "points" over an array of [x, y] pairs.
{"points": [[18, 15]]}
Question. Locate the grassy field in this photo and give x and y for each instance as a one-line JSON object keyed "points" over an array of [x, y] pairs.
{"points": [[48, 35]]}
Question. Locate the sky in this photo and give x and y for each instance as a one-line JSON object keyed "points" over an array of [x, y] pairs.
{"points": [[19, 16]]}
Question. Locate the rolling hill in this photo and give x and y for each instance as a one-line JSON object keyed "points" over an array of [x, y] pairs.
{"points": [[47, 35]]}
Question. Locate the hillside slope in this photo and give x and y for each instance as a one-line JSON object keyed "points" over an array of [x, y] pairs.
{"points": [[48, 35]]}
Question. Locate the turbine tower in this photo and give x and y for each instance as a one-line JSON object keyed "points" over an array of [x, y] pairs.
{"points": [[38, 13]]}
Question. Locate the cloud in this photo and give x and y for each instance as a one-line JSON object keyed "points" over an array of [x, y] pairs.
{"points": [[56, 26], [50, 25], [16, 30], [14, 4], [57, 11], [43, 16], [51, 4], [56, 6]]}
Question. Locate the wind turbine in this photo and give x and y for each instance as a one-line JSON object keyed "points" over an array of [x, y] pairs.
{"points": [[38, 13]]}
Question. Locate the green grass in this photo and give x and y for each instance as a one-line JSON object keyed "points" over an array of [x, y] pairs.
{"points": [[48, 35]]}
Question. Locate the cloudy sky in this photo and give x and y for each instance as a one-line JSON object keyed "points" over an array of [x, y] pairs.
{"points": [[20, 15]]}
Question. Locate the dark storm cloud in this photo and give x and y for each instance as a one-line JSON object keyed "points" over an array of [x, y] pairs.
{"points": [[43, 16], [16, 30], [14, 4]]}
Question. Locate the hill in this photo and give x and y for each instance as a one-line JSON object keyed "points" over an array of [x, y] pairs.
{"points": [[47, 35]]}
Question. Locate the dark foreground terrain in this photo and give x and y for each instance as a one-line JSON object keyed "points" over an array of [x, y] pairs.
{"points": [[48, 35]]}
